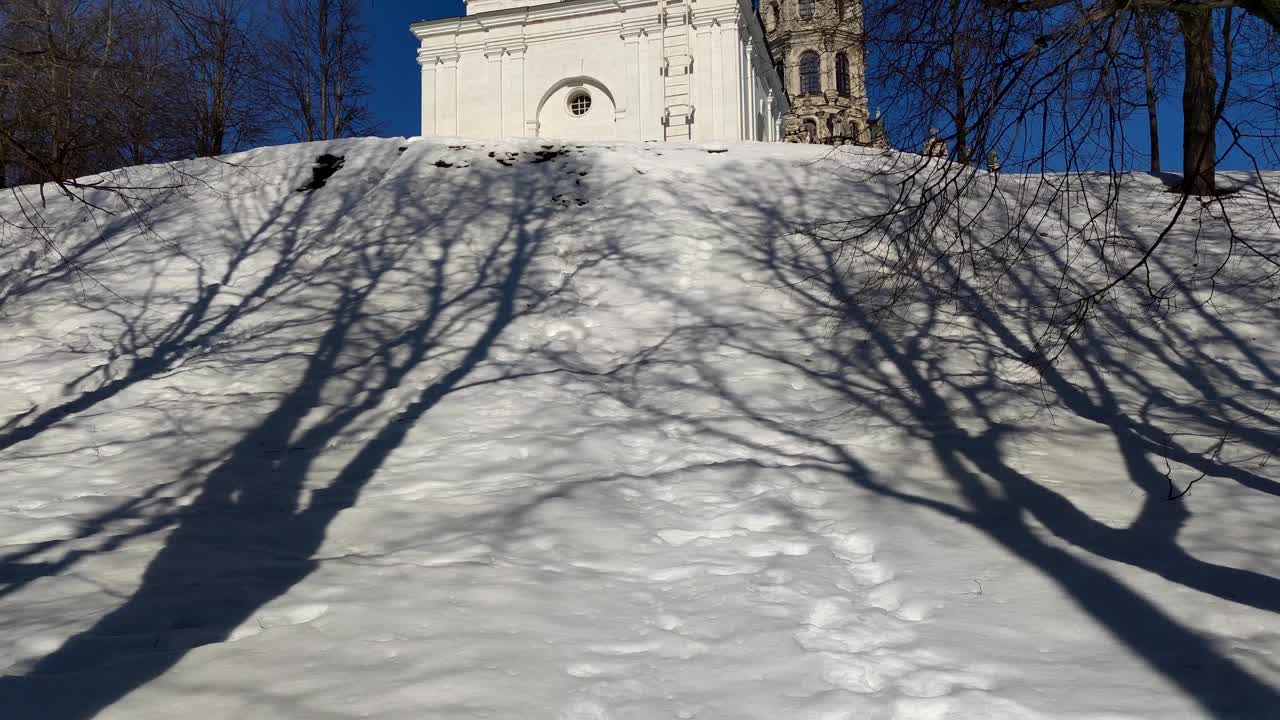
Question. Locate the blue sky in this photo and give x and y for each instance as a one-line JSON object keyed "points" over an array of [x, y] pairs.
{"points": [[393, 77], [393, 70]]}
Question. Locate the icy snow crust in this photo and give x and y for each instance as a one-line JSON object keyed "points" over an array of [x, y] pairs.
{"points": [[522, 430]]}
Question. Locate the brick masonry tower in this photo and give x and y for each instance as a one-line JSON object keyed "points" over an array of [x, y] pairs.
{"points": [[820, 51]]}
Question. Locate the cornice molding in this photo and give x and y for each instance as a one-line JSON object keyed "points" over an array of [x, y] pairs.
{"points": [[526, 15], [461, 34]]}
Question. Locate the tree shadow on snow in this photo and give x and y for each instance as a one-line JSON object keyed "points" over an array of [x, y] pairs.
{"points": [[161, 331], [412, 307], [967, 394]]}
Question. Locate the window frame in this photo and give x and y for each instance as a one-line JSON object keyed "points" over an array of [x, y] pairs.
{"points": [[843, 82], [576, 95], [813, 85]]}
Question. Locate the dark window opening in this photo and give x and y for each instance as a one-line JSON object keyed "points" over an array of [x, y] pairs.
{"points": [[810, 83], [842, 74], [811, 131]]}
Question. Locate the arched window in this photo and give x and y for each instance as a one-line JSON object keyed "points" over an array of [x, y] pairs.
{"points": [[842, 74], [810, 82], [782, 75], [579, 103], [807, 8]]}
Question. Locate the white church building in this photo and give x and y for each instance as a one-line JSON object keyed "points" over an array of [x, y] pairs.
{"points": [[640, 70]]}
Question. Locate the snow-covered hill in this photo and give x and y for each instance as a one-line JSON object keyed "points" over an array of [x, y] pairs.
{"points": [[522, 430]]}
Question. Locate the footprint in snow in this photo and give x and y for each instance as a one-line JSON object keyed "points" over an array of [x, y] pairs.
{"points": [[585, 710], [282, 616]]}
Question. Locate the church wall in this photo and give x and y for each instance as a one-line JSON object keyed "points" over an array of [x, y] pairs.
{"points": [[512, 71], [599, 123], [598, 68], [479, 95]]}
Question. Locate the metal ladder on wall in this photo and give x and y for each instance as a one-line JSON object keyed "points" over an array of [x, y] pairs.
{"points": [[676, 70]]}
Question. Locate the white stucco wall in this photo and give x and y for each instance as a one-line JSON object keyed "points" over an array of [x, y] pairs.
{"points": [[508, 71], [556, 120]]}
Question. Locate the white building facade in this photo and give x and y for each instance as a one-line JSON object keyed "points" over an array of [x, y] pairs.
{"points": [[639, 70]]}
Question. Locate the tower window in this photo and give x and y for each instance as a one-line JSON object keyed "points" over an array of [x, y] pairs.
{"points": [[807, 9], [840, 9], [810, 82], [842, 74], [579, 103]]}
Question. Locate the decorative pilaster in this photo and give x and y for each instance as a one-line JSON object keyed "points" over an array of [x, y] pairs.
{"points": [[447, 90], [635, 105], [515, 122], [495, 85], [430, 124], [651, 82], [752, 111], [708, 96], [731, 81]]}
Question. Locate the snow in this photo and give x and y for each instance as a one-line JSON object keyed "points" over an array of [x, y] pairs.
{"points": [[533, 430]]}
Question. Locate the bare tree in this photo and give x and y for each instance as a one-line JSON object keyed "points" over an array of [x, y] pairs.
{"points": [[1072, 235], [223, 68], [317, 54], [940, 67], [91, 85], [1152, 35], [1068, 19]]}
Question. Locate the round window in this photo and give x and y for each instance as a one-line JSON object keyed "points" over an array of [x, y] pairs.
{"points": [[579, 103]]}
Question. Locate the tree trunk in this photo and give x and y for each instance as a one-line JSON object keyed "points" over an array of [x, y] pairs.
{"points": [[1153, 117], [1199, 98], [957, 85]]}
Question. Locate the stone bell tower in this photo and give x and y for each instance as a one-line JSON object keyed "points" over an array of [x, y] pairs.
{"points": [[820, 50]]}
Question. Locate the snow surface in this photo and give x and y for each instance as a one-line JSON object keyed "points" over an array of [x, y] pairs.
{"points": [[521, 430]]}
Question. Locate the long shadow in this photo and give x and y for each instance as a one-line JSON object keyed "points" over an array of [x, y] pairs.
{"points": [[147, 351], [915, 374], [1218, 683], [248, 537]]}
